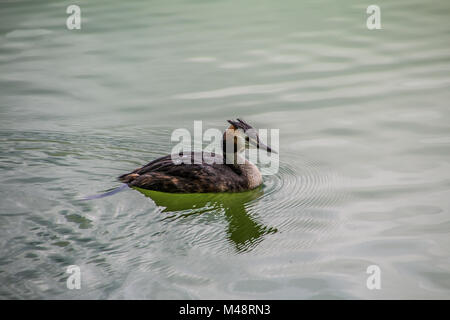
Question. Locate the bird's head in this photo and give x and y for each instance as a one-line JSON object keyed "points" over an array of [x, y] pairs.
{"points": [[240, 136]]}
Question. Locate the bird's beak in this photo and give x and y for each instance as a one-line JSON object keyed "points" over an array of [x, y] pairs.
{"points": [[266, 147], [255, 141]]}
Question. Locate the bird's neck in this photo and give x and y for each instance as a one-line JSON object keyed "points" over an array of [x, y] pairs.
{"points": [[244, 168], [234, 158]]}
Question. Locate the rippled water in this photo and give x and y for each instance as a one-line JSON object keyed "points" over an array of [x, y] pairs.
{"points": [[364, 174]]}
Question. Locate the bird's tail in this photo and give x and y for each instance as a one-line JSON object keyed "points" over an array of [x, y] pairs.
{"points": [[108, 193], [128, 177]]}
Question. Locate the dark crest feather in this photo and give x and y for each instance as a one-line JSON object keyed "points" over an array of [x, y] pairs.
{"points": [[240, 124]]}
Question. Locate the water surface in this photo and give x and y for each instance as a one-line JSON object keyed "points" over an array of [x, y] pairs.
{"points": [[364, 175]]}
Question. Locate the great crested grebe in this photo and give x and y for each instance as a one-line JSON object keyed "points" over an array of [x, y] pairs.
{"points": [[228, 172]]}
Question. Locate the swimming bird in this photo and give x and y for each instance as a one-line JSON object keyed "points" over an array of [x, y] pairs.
{"points": [[203, 172]]}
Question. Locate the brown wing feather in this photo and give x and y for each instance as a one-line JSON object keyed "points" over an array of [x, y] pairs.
{"points": [[164, 175]]}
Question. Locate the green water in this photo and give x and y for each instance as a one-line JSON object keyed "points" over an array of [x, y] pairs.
{"points": [[364, 121]]}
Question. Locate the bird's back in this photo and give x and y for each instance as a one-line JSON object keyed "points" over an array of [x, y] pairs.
{"points": [[187, 176]]}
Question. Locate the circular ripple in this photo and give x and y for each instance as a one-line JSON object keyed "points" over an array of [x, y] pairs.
{"points": [[307, 184], [302, 198]]}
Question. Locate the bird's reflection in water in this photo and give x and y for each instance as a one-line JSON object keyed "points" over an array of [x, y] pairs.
{"points": [[244, 231]]}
